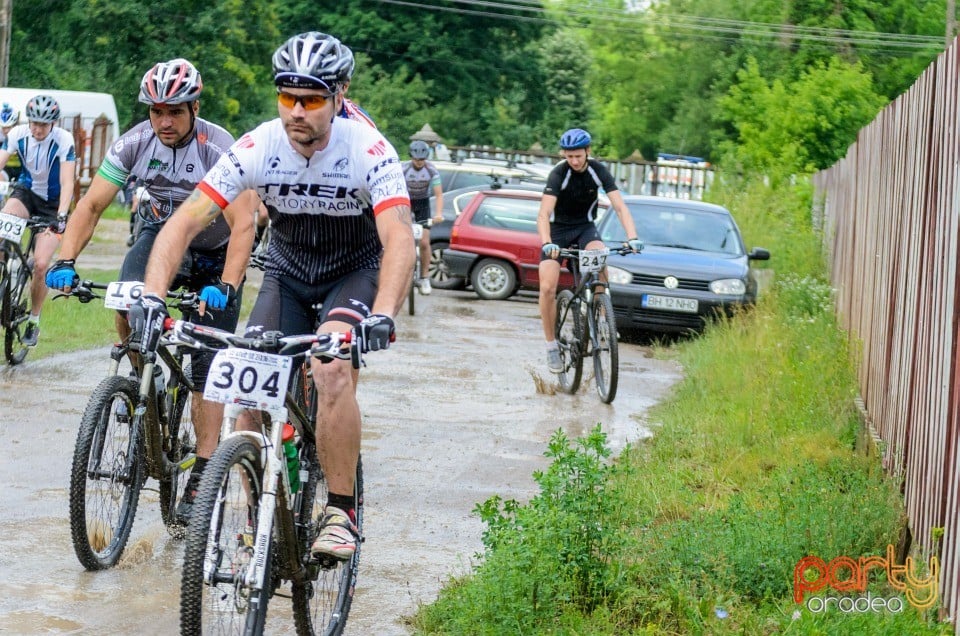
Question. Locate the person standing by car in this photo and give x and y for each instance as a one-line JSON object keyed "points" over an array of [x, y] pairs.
{"points": [[422, 177], [49, 163], [168, 154], [567, 218], [340, 239]]}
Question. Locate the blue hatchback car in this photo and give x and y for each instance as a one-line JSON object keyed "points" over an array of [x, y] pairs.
{"points": [[692, 267]]}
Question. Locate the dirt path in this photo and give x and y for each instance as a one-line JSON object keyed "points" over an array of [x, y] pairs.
{"points": [[452, 415]]}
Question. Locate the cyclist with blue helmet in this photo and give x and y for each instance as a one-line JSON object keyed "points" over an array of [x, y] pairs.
{"points": [[9, 117], [567, 213]]}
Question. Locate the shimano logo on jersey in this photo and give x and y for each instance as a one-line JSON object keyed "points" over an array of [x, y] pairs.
{"points": [[341, 163], [158, 165], [334, 175]]}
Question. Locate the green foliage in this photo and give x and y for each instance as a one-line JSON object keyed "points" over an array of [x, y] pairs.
{"points": [[750, 468], [559, 553], [783, 129]]}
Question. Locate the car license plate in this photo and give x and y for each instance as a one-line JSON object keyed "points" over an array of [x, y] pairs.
{"points": [[669, 303]]}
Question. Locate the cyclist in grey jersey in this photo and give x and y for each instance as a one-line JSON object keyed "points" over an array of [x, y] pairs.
{"points": [[169, 153]]}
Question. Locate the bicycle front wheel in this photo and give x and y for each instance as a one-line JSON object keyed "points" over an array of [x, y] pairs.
{"points": [[182, 453], [322, 603], [606, 360], [106, 474], [214, 597], [16, 310], [570, 338]]}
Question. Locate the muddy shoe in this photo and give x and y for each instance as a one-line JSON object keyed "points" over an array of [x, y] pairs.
{"points": [[30, 334], [554, 363], [338, 536], [185, 507]]}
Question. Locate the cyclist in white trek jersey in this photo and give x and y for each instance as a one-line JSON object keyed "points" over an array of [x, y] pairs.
{"points": [[340, 236]]}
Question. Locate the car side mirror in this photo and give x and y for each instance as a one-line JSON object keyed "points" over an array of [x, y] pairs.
{"points": [[759, 254]]}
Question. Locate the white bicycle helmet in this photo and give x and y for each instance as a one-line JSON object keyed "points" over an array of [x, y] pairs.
{"points": [[43, 109], [8, 116], [173, 82], [419, 150], [312, 60]]}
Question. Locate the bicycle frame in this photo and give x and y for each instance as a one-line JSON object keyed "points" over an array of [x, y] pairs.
{"points": [[584, 287]]}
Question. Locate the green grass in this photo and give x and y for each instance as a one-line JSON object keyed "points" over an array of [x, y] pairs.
{"points": [[753, 465]]}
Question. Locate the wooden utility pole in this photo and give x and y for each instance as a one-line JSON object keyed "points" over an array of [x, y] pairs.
{"points": [[6, 25], [951, 21]]}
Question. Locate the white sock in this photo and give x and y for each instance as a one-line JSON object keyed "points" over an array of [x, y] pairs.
{"points": [[553, 346]]}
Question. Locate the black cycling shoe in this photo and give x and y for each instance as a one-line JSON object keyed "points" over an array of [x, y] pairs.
{"points": [[185, 507]]}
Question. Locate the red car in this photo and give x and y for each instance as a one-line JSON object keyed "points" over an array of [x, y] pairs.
{"points": [[494, 243]]}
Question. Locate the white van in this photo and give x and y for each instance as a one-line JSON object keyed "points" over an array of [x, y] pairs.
{"points": [[87, 105], [76, 107]]}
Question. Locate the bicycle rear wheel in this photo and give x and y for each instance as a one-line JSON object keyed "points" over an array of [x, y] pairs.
{"points": [[182, 453], [570, 338], [214, 599], [16, 310], [606, 360], [106, 475], [322, 603]]}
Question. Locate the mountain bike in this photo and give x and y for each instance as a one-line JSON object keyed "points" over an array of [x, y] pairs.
{"points": [[254, 517], [417, 235], [17, 239], [586, 325], [133, 427]]}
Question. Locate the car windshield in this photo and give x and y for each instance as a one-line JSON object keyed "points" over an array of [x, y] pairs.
{"points": [[682, 228]]}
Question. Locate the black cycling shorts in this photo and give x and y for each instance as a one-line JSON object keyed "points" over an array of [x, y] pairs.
{"points": [[421, 209], [35, 204], [197, 270], [566, 236], [294, 308]]}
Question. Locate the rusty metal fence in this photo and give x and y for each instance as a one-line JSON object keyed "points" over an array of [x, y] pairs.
{"points": [[890, 214]]}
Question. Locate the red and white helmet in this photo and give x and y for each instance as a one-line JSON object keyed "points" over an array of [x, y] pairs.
{"points": [[173, 82]]}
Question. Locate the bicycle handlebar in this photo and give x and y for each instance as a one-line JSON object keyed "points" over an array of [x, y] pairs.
{"points": [[323, 345], [82, 290], [570, 252]]}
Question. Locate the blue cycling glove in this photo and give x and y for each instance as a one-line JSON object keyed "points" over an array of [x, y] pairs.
{"points": [[550, 250], [218, 296], [62, 275], [634, 244]]}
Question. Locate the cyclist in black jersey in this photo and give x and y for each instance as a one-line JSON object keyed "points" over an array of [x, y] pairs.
{"points": [[340, 236], [168, 154], [567, 218]]}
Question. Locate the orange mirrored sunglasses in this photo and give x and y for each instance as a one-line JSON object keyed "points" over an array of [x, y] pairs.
{"points": [[309, 102]]}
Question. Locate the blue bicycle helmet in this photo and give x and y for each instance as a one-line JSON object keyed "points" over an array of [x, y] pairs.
{"points": [[574, 138], [9, 116]]}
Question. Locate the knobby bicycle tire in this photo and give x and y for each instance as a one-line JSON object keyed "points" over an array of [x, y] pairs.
{"points": [[15, 312], [322, 604], [182, 453], [220, 537], [606, 359], [106, 475], [569, 333]]}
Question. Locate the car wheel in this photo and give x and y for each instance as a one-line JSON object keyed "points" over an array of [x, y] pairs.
{"points": [[439, 272], [493, 279]]}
